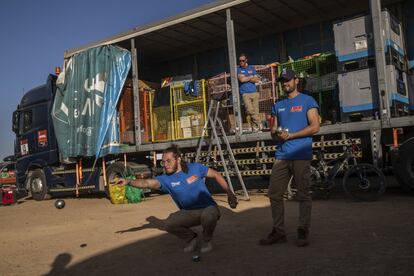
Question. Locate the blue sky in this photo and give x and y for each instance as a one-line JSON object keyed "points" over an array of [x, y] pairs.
{"points": [[35, 33]]}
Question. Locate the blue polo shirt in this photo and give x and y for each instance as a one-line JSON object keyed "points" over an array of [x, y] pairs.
{"points": [[246, 87], [292, 114], [188, 190]]}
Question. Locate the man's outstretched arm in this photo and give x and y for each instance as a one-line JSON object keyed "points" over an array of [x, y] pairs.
{"points": [[153, 184], [231, 197]]}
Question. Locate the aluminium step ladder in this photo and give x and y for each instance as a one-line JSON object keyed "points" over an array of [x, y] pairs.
{"points": [[218, 136]]}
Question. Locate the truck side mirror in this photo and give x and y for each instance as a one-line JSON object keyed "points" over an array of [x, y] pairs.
{"points": [[15, 123]]}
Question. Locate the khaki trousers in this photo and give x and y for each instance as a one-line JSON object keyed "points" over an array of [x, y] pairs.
{"points": [[180, 222], [281, 173], [251, 103]]}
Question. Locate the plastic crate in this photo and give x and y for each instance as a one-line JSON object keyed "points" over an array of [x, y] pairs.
{"points": [[306, 66], [126, 112], [219, 86], [190, 110], [267, 87], [162, 121]]}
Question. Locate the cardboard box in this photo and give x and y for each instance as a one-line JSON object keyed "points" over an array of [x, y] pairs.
{"points": [[185, 122], [187, 132], [195, 121]]}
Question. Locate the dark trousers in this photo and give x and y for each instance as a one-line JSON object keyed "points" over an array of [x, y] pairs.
{"points": [[180, 222], [282, 172]]}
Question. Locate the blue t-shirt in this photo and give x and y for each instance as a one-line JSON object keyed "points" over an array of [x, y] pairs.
{"points": [[188, 190], [292, 114], [246, 87]]}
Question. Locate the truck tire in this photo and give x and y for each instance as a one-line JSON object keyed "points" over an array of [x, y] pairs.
{"points": [[405, 166], [38, 185]]}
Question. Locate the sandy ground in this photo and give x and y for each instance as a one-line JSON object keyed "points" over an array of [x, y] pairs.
{"points": [[90, 236]]}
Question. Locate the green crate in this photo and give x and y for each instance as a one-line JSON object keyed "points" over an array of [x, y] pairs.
{"points": [[307, 67], [326, 64]]}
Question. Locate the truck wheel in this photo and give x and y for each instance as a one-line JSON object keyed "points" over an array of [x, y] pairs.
{"points": [[405, 169], [115, 170], [38, 185]]}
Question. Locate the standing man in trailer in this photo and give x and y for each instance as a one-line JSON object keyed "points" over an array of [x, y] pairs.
{"points": [[248, 78]]}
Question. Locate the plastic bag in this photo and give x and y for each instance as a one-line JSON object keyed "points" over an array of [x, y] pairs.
{"points": [[125, 194], [133, 194], [117, 194]]}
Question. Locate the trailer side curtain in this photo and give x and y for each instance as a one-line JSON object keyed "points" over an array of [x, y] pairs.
{"points": [[84, 110]]}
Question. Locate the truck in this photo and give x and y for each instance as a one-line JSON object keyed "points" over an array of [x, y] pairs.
{"points": [[197, 48]]}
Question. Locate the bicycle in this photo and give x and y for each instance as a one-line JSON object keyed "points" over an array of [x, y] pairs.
{"points": [[361, 181]]}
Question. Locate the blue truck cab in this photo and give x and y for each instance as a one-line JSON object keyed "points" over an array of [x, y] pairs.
{"points": [[38, 169], [35, 146]]}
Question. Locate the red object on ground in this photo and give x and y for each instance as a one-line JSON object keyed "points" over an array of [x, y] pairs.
{"points": [[8, 195]]}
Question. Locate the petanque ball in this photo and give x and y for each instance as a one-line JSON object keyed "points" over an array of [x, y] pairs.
{"points": [[60, 204], [196, 258]]}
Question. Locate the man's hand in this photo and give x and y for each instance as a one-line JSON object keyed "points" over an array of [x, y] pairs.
{"points": [[232, 200], [283, 135], [274, 134], [122, 182]]}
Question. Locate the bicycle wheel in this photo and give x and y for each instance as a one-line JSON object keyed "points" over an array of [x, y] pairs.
{"points": [[316, 186], [364, 182]]}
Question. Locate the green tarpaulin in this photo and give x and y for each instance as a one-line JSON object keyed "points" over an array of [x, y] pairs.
{"points": [[84, 111]]}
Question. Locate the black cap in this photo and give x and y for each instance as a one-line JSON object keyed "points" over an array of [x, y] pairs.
{"points": [[287, 74]]}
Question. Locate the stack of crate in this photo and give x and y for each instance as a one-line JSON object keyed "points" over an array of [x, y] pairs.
{"points": [[126, 112], [219, 88], [357, 79], [189, 102], [267, 88], [184, 116], [161, 123]]}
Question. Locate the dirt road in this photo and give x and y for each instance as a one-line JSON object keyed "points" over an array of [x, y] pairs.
{"points": [[90, 236]]}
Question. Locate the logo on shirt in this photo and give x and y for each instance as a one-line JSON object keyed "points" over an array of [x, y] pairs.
{"points": [[250, 71], [281, 109], [173, 184], [192, 179], [297, 108]]}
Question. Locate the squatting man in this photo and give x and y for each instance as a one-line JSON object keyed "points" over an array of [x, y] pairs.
{"points": [[185, 182]]}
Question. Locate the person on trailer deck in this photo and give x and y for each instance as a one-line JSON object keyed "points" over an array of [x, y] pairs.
{"points": [[185, 182], [248, 78], [296, 119]]}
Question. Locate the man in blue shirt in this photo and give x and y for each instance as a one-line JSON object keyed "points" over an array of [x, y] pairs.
{"points": [[186, 185], [296, 119], [247, 78]]}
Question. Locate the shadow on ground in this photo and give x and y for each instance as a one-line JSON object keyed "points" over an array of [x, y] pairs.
{"points": [[347, 238]]}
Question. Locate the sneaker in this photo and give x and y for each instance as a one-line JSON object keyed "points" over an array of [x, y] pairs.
{"points": [[302, 237], [206, 247], [272, 238], [191, 245]]}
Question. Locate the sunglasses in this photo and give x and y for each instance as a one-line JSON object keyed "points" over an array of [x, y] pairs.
{"points": [[167, 162], [242, 60]]}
